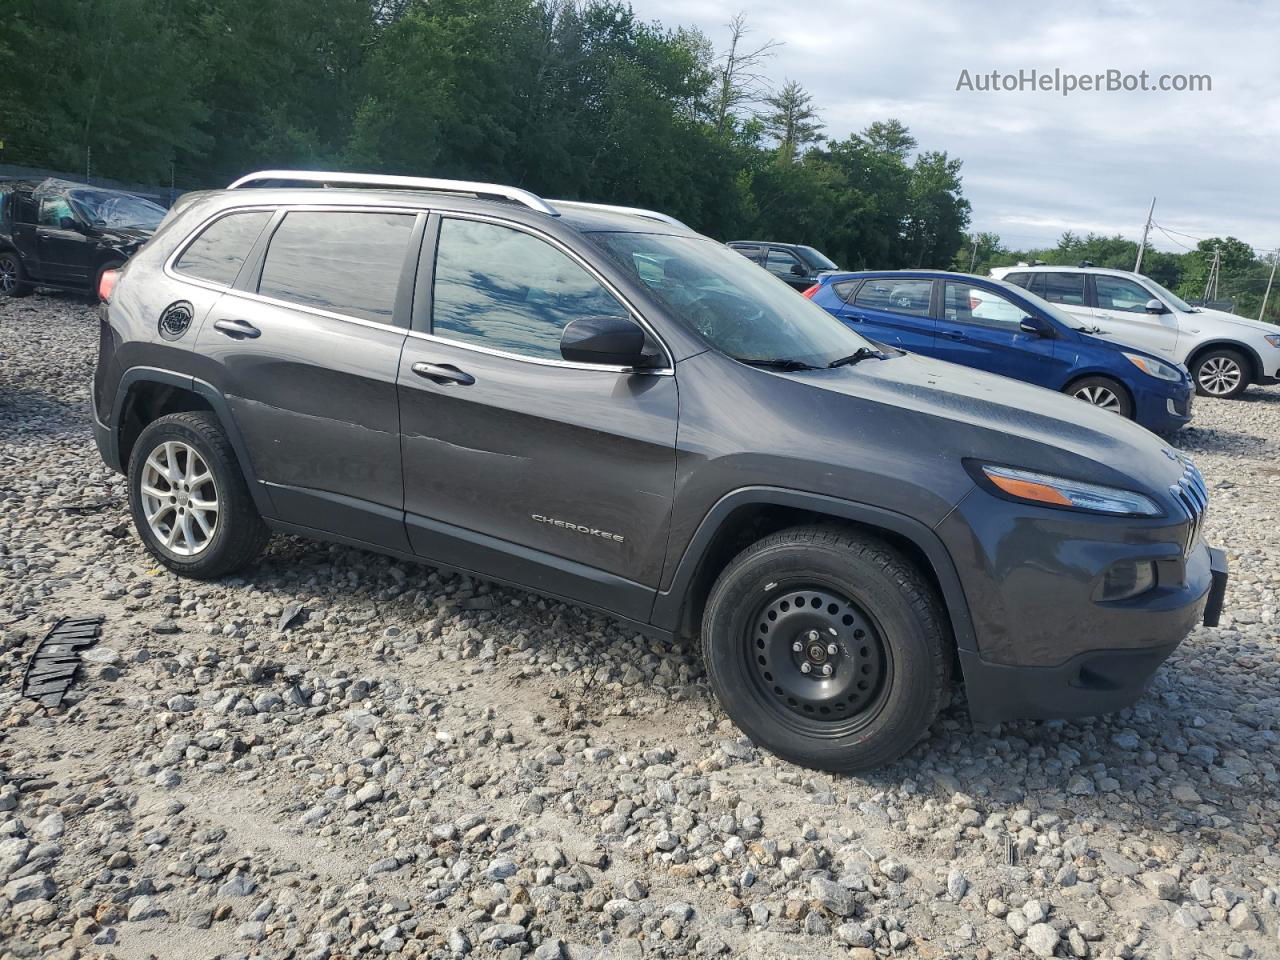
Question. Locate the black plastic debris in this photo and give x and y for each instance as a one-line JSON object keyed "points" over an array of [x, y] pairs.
{"points": [[53, 665]]}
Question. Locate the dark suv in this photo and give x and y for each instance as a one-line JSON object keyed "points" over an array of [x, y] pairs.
{"points": [[60, 234], [793, 263], [606, 407]]}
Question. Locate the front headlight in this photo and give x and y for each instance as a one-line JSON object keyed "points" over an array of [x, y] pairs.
{"points": [[1154, 367], [1272, 338], [1051, 491]]}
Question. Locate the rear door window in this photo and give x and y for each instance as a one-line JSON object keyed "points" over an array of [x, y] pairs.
{"points": [[344, 262], [1064, 288], [1020, 279], [910, 297], [219, 251]]}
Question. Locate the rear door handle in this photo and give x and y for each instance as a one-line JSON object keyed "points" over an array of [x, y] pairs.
{"points": [[443, 373], [955, 335], [237, 329]]}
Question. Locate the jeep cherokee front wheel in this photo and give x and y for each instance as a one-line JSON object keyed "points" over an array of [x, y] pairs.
{"points": [[827, 648], [189, 500]]}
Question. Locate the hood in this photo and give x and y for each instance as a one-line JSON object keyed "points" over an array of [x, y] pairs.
{"points": [[993, 418], [1224, 317]]}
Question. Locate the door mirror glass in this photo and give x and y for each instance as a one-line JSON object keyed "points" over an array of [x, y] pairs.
{"points": [[798, 270], [615, 341], [1036, 325], [67, 223], [1156, 306]]}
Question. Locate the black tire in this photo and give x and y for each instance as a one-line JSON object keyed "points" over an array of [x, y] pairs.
{"points": [[13, 276], [97, 277], [238, 534], [1102, 392], [1222, 373], [892, 663]]}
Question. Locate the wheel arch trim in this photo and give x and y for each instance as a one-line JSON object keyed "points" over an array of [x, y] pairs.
{"points": [[206, 392], [669, 604]]}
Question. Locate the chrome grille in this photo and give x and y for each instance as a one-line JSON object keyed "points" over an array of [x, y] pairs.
{"points": [[1192, 497]]}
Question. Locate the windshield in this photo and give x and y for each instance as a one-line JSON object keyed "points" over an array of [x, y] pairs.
{"points": [[1052, 309], [103, 207], [730, 302], [1172, 299], [816, 259]]}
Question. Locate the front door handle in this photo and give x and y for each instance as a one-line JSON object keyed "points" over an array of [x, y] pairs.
{"points": [[955, 335], [443, 373], [237, 329], [854, 317]]}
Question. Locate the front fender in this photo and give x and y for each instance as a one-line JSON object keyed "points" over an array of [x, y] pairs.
{"points": [[669, 603]]}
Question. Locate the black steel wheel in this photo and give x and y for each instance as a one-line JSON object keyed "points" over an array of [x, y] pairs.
{"points": [[827, 647], [820, 655]]}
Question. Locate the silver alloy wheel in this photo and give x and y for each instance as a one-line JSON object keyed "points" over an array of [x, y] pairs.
{"points": [[8, 274], [1219, 375], [179, 498], [1099, 397]]}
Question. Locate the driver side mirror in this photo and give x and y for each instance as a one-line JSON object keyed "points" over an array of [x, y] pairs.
{"points": [[798, 270], [1038, 326], [615, 341], [68, 223], [1156, 306]]}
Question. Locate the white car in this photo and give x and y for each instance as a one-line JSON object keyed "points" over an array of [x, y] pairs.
{"points": [[1224, 353]]}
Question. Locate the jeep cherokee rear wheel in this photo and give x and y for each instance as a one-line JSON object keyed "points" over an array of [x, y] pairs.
{"points": [[188, 497], [827, 648]]}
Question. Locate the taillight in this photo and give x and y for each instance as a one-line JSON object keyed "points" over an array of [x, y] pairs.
{"points": [[107, 284], [811, 291]]}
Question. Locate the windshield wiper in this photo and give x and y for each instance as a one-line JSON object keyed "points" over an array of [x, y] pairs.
{"points": [[862, 353], [776, 363]]}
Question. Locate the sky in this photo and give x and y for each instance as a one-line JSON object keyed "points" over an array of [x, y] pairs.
{"points": [[1038, 163]]}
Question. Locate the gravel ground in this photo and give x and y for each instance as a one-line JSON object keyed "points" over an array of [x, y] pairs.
{"points": [[340, 755]]}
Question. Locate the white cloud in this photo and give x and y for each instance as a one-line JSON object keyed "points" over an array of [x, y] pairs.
{"points": [[1036, 164]]}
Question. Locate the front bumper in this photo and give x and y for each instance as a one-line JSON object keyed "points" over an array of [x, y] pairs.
{"points": [[1164, 411], [1089, 684]]}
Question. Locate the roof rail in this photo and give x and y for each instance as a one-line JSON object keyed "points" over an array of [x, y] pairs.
{"points": [[634, 211], [323, 178]]}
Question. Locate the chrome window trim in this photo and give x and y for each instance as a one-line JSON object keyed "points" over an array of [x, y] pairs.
{"points": [[175, 274], [636, 315]]}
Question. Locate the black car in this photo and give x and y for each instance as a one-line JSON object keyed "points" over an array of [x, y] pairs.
{"points": [[793, 263], [604, 406], [54, 233]]}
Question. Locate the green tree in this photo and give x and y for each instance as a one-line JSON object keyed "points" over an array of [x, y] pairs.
{"points": [[792, 120]]}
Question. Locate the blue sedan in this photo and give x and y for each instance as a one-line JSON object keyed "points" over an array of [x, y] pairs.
{"points": [[998, 327]]}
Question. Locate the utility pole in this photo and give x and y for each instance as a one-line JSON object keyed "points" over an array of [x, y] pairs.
{"points": [[1137, 267], [973, 246], [1211, 284], [88, 164], [1275, 257]]}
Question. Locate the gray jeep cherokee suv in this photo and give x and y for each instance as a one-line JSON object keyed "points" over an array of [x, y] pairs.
{"points": [[601, 405]]}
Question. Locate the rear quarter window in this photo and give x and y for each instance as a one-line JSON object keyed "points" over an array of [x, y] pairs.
{"points": [[219, 251]]}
